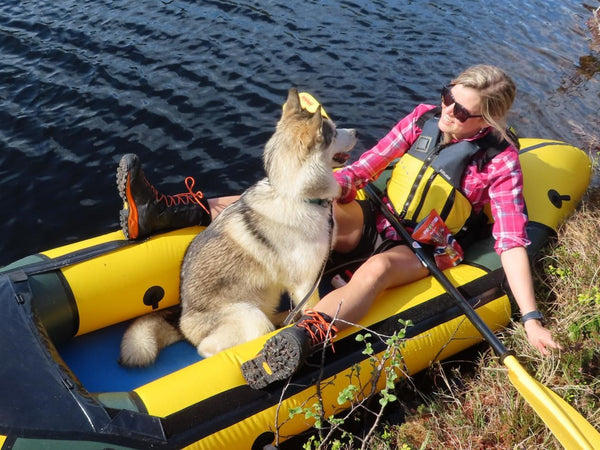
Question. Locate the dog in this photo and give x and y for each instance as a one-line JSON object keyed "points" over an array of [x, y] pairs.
{"points": [[275, 239]]}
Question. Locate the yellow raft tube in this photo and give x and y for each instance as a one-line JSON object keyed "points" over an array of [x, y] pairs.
{"points": [[57, 298]]}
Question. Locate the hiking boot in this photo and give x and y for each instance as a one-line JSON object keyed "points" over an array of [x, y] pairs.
{"points": [[287, 351], [145, 210]]}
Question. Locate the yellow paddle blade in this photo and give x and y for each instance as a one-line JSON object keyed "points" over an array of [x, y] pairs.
{"points": [[569, 427]]}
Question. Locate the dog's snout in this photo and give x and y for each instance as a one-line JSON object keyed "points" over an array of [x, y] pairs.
{"points": [[350, 132]]}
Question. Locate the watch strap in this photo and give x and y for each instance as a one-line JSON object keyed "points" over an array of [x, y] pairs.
{"points": [[536, 315]]}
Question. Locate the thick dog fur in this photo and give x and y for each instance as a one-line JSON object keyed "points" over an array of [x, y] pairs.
{"points": [[274, 239]]}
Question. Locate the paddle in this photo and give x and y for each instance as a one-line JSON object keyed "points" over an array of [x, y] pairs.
{"points": [[569, 427]]}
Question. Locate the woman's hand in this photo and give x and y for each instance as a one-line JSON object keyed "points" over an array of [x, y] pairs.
{"points": [[516, 266], [540, 337]]}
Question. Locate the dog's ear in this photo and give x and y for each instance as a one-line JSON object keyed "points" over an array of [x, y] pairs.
{"points": [[317, 119], [292, 104]]}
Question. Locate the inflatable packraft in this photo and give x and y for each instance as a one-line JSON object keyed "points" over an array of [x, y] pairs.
{"points": [[65, 310]]}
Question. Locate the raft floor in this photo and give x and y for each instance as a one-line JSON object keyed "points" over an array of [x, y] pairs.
{"points": [[93, 358]]}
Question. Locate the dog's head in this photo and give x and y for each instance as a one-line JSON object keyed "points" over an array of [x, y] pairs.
{"points": [[306, 143], [341, 140]]}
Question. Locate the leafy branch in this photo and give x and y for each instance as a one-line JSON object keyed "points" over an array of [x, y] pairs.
{"points": [[386, 368]]}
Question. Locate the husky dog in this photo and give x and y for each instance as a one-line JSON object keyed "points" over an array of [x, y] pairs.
{"points": [[274, 239]]}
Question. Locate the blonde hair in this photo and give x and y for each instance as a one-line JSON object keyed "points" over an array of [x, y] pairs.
{"points": [[497, 92]]}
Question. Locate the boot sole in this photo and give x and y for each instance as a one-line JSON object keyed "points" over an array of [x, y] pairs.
{"points": [[129, 213], [280, 358]]}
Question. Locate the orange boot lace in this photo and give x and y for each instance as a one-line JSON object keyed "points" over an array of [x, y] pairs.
{"points": [[317, 327], [183, 198]]}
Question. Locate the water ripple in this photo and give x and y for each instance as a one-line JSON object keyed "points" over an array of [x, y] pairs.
{"points": [[195, 88]]}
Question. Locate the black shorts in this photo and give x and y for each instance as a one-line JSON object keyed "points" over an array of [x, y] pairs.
{"points": [[371, 242]]}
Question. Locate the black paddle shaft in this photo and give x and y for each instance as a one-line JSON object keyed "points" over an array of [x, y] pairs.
{"points": [[427, 261]]}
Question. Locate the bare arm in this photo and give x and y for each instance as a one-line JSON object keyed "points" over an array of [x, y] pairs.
{"points": [[516, 266]]}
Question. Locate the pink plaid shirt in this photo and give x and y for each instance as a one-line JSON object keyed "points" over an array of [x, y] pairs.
{"points": [[500, 182]]}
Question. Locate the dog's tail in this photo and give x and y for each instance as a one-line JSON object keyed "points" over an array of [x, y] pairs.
{"points": [[147, 336]]}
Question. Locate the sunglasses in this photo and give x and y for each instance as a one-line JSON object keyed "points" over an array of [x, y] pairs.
{"points": [[461, 113]]}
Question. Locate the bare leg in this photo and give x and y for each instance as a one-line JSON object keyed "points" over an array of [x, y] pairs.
{"points": [[349, 222], [394, 267], [217, 205]]}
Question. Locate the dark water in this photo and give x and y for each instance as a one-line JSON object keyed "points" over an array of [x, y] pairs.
{"points": [[195, 88]]}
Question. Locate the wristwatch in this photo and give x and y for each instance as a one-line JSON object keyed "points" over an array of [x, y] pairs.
{"points": [[536, 315]]}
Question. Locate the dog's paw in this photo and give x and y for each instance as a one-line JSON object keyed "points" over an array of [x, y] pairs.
{"points": [[211, 346]]}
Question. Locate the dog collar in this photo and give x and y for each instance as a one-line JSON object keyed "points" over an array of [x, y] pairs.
{"points": [[319, 201]]}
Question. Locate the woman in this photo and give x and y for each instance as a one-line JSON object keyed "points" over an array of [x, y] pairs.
{"points": [[471, 123]]}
